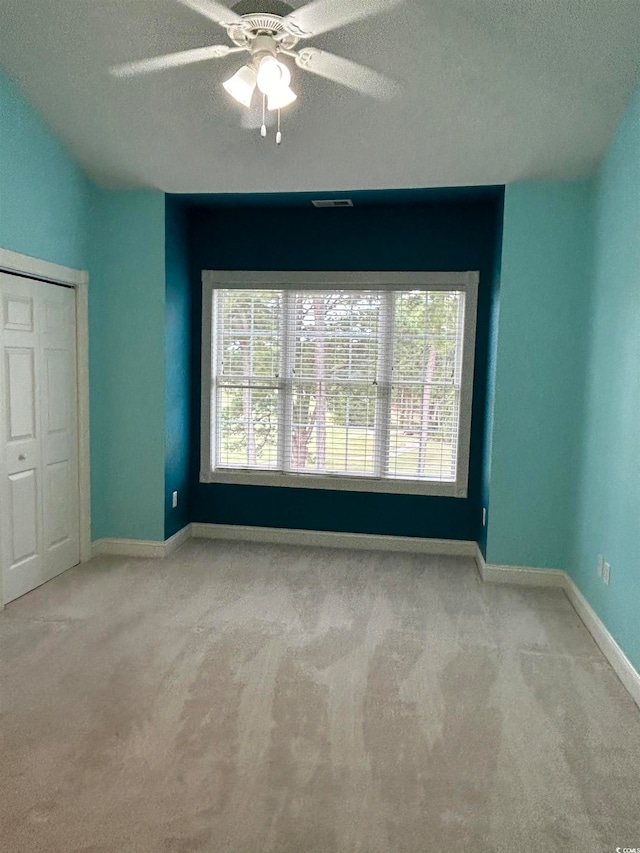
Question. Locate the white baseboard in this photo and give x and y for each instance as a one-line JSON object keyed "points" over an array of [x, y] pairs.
{"points": [[330, 539], [620, 663], [177, 540], [520, 575], [559, 579], [524, 576], [141, 547], [283, 536], [127, 548]]}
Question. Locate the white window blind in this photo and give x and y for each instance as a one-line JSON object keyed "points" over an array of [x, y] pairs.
{"points": [[341, 383]]}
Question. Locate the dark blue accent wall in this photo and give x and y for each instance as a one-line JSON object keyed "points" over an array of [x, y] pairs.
{"points": [[178, 403], [406, 230], [490, 384]]}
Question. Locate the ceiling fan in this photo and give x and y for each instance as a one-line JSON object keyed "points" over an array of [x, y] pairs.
{"points": [[268, 36]]}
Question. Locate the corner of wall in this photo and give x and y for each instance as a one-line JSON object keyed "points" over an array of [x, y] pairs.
{"points": [[127, 358], [494, 323], [178, 307], [539, 372], [607, 505]]}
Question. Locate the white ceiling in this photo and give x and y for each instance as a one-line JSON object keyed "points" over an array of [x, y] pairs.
{"points": [[493, 91]]}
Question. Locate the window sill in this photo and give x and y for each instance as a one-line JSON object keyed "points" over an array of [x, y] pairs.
{"points": [[336, 483]]}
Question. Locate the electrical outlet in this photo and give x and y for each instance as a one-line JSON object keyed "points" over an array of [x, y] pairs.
{"points": [[174, 500], [600, 564], [606, 572], [484, 516]]}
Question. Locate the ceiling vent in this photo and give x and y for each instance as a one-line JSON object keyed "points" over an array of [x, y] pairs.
{"points": [[332, 202]]}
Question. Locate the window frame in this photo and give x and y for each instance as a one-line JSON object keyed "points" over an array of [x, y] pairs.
{"points": [[373, 280]]}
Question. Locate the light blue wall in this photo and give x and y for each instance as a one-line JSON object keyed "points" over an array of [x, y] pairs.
{"points": [[43, 193], [49, 210], [539, 373], [608, 518], [127, 328]]}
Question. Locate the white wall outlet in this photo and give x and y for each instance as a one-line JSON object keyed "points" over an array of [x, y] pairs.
{"points": [[484, 516], [174, 500], [606, 571], [600, 565]]}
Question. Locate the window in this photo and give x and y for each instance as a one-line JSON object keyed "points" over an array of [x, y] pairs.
{"points": [[338, 380]]}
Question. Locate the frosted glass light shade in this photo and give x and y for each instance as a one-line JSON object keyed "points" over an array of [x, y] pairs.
{"points": [[281, 98], [272, 75], [242, 85]]}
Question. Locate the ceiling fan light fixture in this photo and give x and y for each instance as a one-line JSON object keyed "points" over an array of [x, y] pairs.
{"points": [[242, 85], [267, 36], [281, 98]]}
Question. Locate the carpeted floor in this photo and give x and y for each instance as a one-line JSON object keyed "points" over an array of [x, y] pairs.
{"points": [[243, 698]]}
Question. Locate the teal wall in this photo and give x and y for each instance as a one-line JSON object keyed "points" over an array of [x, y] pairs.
{"points": [[127, 355], [608, 512], [541, 350], [43, 193], [178, 308], [49, 210], [489, 406]]}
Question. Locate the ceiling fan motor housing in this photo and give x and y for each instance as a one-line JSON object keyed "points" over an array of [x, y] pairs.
{"points": [[257, 26]]}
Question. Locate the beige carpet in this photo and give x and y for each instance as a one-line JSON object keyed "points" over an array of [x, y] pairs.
{"points": [[244, 698]]}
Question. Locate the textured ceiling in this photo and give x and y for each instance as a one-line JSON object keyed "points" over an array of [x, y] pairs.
{"points": [[492, 91]]}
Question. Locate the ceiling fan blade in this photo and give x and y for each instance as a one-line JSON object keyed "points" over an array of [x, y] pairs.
{"points": [[320, 16], [347, 73], [217, 12], [172, 60]]}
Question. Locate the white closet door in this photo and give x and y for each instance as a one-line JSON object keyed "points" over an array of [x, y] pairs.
{"points": [[39, 493]]}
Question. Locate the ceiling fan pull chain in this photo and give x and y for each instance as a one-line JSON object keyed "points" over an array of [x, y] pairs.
{"points": [[263, 129], [278, 134]]}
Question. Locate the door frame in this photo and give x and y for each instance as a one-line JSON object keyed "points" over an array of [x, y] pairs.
{"points": [[25, 265]]}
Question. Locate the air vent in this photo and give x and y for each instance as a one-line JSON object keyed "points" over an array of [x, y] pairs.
{"points": [[332, 202]]}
